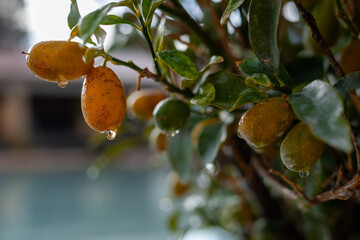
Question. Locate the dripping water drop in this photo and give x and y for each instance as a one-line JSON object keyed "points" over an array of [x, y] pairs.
{"points": [[172, 134], [111, 134], [304, 174], [62, 83]]}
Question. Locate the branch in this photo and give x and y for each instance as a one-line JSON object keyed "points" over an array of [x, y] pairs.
{"points": [[310, 21]]}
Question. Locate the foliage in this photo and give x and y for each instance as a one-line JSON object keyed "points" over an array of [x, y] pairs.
{"points": [[235, 54]]}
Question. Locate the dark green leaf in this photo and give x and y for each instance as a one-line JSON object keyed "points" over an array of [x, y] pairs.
{"points": [[232, 6], [74, 14], [263, 23], [148, 9], [232, 92], [210, 139], [205, 95], [90, 23], [179, 63], [348, 82], [252, 66], [179, 153], [203, 73], [320, 107]]}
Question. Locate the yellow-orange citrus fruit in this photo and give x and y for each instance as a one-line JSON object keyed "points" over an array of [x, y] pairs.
{"points": [[300, 150], [265, 122], [350, 58], [142, 103], [58, 61], [158, 140], [103, 100]]}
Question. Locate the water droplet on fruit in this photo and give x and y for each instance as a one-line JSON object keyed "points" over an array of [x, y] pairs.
{"points": [[62, 83], [210, 167], [304, 174], [172, 133], [111, 134]]}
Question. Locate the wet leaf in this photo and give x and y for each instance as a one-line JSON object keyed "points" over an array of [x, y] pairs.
{"points": [[232, 6], [205, 95], [349, 82], [179, 63], [320, 107], [210, 140], [232, 91], [263, 23]]}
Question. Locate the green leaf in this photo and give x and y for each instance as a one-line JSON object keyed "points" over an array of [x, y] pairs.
{"points": [[232, 6], [90, 23], [320, 107], [210, 140], [131, 4], [205, 95], [263, 23], [203, 73], [148, 9], [74, 14], [113, 20], [348, 82], [179, 63], [159, 39], [252, 66], [258, 79], [232, 91], [179, 153]]}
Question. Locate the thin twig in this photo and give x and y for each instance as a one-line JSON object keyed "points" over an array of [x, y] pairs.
{"points": [[293, 185]]}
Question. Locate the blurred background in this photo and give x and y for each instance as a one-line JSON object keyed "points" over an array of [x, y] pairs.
{"points": [[58, 178]]}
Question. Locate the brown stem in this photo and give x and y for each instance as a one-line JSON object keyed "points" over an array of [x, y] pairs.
{"points": [[310, 21], [293, 185]]}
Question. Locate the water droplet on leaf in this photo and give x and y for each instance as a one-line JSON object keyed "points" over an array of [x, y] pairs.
{"points": [[111, 134], [304, 174]]}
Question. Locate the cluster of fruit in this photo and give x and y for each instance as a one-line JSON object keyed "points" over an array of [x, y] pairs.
{"points": [[265, 123], [103, 99]]}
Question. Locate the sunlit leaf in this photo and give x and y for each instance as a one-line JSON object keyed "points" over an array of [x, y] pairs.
{"points": [[232, 6], [320, 107], [90, 23], [113, 20], [179, 63], [148, 9], [74, 14], [263, 23]]}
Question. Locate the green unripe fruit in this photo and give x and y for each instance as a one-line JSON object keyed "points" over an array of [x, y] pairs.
{"points": [[171, 114], [266, 122], [300, 150]]}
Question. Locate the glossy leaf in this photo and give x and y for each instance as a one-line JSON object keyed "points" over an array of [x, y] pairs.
{"points": [[113, 20], [349, 82], [263, 23], [74, 14], [179, 154], [90, 23], [252, 66], [232, 6], [203, 73], [148, 9], [232, 91], [320, 107], [210, 140], [179, 63], [205, 95]]}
